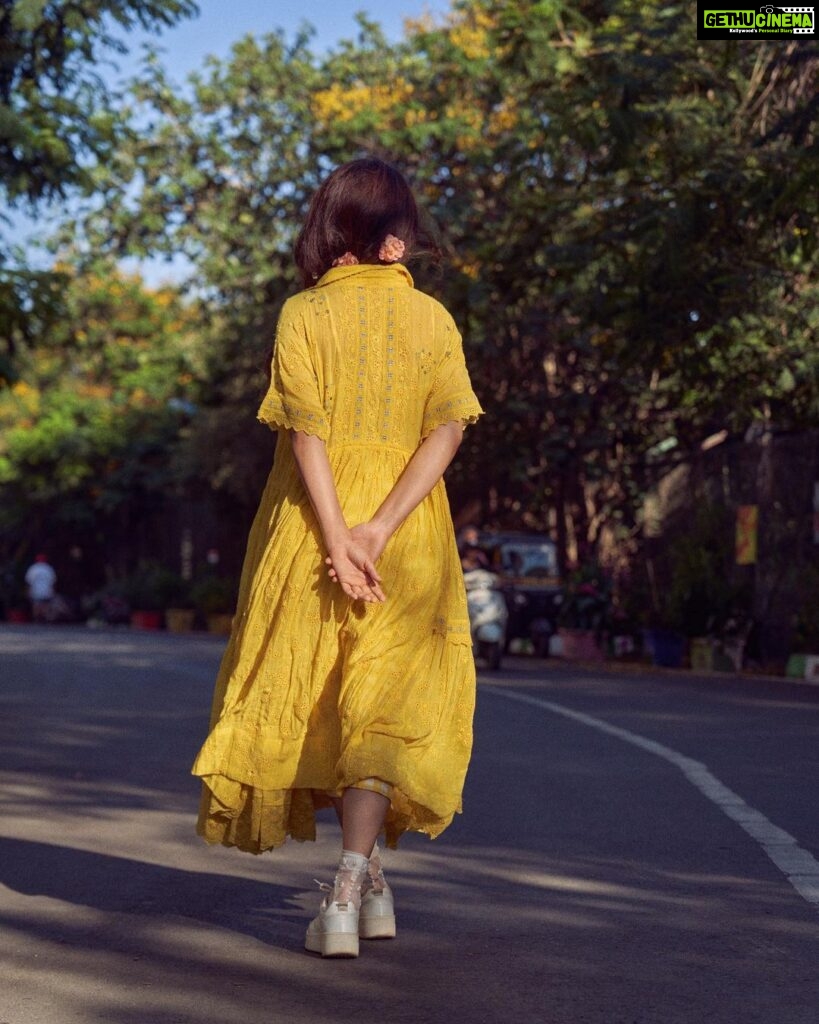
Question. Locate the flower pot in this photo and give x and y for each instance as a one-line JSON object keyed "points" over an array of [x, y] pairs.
{"points": [[803, 666], [219, 623], [623, 645], [795, 667], [146, 620], [730, 656], [179, 620], [580, 644], [665, 647], [702, 653]]}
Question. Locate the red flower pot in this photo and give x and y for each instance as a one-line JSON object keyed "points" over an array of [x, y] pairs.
{"points": [[580, 645], [146, 620]]}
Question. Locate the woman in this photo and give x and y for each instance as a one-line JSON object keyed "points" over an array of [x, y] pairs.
{"points": [[348, 678]]}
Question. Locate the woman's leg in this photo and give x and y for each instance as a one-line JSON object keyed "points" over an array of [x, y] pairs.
{"points": [[361, 811], [375, 870], [362, 818], [364, 807]]}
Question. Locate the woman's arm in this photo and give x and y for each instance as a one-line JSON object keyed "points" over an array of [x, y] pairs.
{"points": [[422, 473], [355, 569]]}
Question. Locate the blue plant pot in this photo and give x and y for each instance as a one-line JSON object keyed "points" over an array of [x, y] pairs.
{"points": [[666, 647]]}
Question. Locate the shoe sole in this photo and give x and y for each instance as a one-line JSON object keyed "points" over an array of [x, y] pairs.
{"points": [[376, 927], [340, 944]]}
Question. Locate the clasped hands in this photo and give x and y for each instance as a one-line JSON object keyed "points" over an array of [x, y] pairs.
{"points": [[352, 561]]}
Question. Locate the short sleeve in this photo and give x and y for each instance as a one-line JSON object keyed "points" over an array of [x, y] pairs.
{"points": [[451, 397], [293, 400]]}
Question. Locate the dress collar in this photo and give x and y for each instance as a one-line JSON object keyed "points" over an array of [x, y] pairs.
{"points": [[361, 272]]}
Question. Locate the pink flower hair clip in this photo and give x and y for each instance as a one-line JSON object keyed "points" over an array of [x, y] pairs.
{"points": [[347, 260], [392, 249]]}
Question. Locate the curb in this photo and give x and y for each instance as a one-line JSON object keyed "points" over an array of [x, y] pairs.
{"points": [[643, 668]]}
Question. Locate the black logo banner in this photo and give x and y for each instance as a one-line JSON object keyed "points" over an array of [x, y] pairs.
{"points": [[754, 21]]}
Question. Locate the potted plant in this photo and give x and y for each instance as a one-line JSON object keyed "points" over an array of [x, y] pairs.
{"points": [[149, 591], [701, 651], [665, 645], [803, 662], [16, 605], [624, 639], [701, 603], [584, 615], [215, 597], [108, 606], [180, 613], [14, 596], [663, 638]]}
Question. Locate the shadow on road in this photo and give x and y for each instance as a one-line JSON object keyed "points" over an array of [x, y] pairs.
{"points": [[120, 885], [483, 935]]}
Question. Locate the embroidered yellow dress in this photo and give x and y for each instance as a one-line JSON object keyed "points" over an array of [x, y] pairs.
{"points": [[317, 692]]}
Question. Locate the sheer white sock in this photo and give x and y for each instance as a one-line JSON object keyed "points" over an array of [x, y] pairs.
{"points": [[375, 879], [351, 871]]}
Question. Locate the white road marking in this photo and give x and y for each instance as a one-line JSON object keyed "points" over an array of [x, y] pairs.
{"points": [[797, 865]]}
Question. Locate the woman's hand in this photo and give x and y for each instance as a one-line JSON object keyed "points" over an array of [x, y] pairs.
{"points": [[355, 569], [372, 538], [352, 562], [352, 565]]}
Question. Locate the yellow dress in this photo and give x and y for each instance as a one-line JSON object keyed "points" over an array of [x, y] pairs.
{"points": [[317, 692]]}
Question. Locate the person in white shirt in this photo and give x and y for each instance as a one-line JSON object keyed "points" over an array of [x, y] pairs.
{"points": [[40, 578]]}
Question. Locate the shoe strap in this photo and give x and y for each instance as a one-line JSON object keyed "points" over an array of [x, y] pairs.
{"points": [[375, 880], [349, 878]]}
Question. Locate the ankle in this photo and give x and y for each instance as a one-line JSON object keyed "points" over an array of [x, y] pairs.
{"points": [[352, 861], [350, 874], [375, 871]]}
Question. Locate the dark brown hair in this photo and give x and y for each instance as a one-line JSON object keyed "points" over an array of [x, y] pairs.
{"points": [[354, 210]]}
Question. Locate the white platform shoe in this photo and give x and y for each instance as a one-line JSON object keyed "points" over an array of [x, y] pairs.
{"points": [[376, 918], [334, 933]]}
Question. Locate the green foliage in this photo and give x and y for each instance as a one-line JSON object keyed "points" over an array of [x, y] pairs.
{"points": [[56, 116], [806, 626], [587, 600], [31, 303], [59, 124], [153, 587], [629, 217], [214, 595], [86, 432], [697, 592]]}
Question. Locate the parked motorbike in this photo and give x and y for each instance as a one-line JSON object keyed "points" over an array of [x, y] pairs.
{"points": [[58, 609], [526, 564], [487, 615]]}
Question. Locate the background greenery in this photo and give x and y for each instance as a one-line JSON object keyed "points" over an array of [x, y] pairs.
{"points": [[628, 215]]}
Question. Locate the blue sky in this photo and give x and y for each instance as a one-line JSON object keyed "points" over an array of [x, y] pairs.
{"points": [[219, 25], [222, 22]]}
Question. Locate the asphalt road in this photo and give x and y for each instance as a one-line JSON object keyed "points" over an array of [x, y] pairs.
{"points": [[636, 848]]}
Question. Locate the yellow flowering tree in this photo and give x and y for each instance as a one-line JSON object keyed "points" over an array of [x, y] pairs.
{"points": [[627, 215]]}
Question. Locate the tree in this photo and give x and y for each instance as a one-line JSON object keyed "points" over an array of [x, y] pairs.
{"points": [[646, 198], [56, 113], [223, 177], [58, 124], [629, 213], [88, 431]]}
